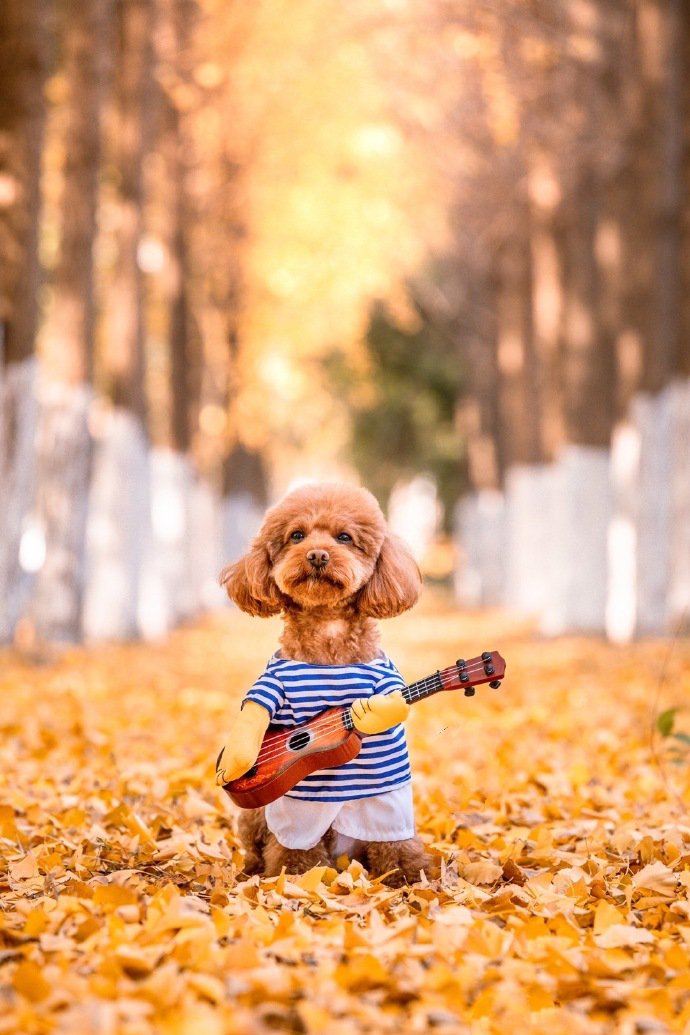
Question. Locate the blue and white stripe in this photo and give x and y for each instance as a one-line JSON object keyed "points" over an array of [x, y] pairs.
{"points": [[294, 692]]}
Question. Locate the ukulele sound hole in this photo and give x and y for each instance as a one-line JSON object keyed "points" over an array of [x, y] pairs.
{"points": [[299, 740]]}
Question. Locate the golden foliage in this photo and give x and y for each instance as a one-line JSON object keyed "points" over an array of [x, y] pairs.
{"points": [[563, 904], [322, 201]]}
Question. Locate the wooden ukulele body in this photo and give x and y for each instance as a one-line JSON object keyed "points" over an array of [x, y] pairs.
{"points": [[288, 754]]}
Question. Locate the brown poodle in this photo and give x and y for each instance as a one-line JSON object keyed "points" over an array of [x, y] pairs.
{"points": [[325, 560]]}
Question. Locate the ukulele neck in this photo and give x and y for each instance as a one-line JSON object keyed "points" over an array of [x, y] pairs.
{"points": [[414, 692], [423, 688]]}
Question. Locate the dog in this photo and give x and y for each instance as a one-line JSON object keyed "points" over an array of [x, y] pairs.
{"points": [[325, 560]]}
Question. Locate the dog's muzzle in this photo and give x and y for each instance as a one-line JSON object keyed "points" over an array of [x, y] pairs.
{"points": [[318, 558]]}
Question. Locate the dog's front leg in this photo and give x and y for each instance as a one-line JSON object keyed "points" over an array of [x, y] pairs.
{"points": [[253, 833]]}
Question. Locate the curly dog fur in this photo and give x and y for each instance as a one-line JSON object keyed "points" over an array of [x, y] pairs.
{"points": [[329, 614]]}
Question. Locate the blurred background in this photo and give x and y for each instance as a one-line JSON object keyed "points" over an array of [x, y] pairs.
{"points": [[441, 248]]}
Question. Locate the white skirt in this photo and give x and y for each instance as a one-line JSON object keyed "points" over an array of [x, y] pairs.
{"points": [[383, 817]]}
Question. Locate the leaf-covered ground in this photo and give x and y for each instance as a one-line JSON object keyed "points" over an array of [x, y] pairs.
{"points": [[562, 822]]}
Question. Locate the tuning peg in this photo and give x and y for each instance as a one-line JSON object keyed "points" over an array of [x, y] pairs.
{"points": [[464, 674], [470, 691], [486, 655], [495, 684]]}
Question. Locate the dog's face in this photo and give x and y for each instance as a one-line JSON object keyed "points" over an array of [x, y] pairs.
{"points": [[324, 546]]}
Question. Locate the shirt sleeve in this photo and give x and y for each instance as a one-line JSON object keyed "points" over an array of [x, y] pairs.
{"points": [[268, 692], [390, 681]]}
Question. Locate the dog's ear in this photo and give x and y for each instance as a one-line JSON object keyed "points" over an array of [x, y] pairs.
{"points": [[249, 584], [396, 583]]}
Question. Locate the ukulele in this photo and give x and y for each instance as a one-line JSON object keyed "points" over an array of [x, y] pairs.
{"points": [[289, 753]]}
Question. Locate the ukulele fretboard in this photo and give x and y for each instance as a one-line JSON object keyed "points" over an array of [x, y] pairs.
{"points": [[423, 688]]}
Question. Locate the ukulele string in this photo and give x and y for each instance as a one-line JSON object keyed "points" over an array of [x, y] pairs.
{"points": [[324, 727]]}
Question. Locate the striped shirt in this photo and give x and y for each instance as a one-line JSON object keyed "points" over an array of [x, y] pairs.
{"points": [[293, 692]]}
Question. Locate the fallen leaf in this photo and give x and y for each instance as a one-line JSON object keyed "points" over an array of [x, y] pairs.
{"points": [[606, 916], [24, 868], [618, 935], [657, 877], [29, 981]]}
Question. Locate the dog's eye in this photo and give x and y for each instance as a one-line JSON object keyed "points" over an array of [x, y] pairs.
{"points": [[297, 536], [344, 537]]}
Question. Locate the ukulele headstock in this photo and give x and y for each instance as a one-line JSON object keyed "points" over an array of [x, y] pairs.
{"points": [[489, 668]]}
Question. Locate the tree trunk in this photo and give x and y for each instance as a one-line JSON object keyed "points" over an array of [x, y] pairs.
{"points": [[479, 578], [546, 231], [664, 582], [651, 463], [243, 482], [21, 541], [117, 528], [244, 500], [518, 385], [64, 440], [119, 517], [580, 514], [176, 144], [587, 357], [169, 592], [527, 486], [124, 348], [179, 315], [23, 66]]}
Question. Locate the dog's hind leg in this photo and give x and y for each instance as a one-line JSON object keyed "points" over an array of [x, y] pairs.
{"points": [[406, 858]]}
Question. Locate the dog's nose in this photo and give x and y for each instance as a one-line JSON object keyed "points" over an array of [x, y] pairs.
{"points": [[318, 558]]}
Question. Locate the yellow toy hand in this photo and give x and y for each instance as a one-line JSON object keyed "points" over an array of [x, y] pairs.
{"points": [[379, 713], [240, 752]]}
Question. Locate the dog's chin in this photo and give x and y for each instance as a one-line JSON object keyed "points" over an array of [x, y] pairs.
{"points": [[314, 589]]}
